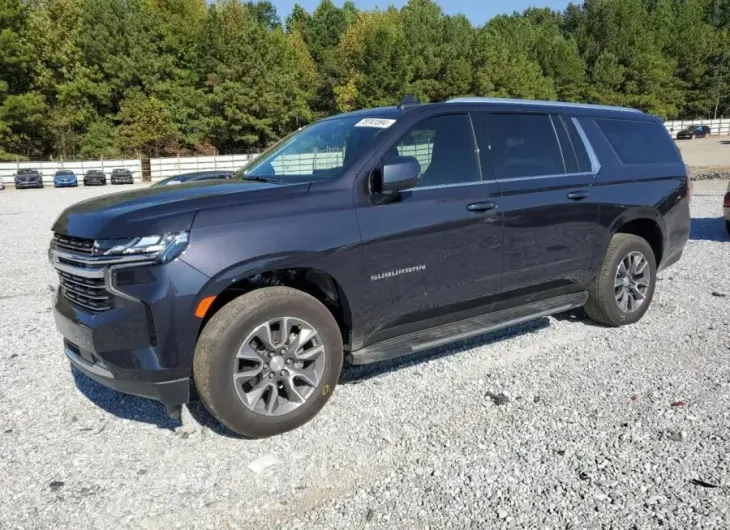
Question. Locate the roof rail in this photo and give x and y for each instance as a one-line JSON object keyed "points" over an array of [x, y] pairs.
{"points": [[540, 103]]}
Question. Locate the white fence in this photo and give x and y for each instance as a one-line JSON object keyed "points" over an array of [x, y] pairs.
{"points": [[159, 167], [719, 126], [168, 167], [48, 169]]}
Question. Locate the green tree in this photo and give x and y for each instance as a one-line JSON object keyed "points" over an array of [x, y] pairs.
{"points": [[258, 80], [146, 126], [376, 71], [100, 140]]}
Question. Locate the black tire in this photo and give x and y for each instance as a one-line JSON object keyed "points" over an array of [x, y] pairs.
{"points": [[223, 335], [602, 306], [727, 226]]}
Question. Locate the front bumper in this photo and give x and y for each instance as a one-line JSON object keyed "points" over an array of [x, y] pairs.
{"points": [[29, 184], [143, 344], [173, 392], [68, 184], [94, 182]]}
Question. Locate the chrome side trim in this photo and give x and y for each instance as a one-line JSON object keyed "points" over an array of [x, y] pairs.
{"points": [[595, 164], [540, 103], [537, 177]]}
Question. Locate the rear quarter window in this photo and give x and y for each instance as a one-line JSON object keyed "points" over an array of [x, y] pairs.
{"points": [[637, 142]]}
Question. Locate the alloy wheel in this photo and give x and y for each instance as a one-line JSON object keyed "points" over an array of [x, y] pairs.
{"points": [[631, 285], [278, 366]]}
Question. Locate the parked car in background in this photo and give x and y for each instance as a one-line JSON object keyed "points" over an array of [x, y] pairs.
{"points": [[436, 223], [726, 209], [122, 176], [94, 177], [694, 131], [28, 178], [65, 178], [195, 176]]}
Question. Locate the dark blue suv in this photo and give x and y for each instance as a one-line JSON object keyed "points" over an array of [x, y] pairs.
{"points": [[364, 237]]}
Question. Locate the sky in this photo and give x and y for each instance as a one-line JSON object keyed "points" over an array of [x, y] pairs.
{"points": [[478, 11]]}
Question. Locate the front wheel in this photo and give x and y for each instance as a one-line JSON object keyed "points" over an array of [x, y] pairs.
{"points": [[268, 361], [624, 288]]}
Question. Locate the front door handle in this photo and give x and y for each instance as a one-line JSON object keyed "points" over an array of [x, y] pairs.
{"points": [[481, 206], [577, 195]]}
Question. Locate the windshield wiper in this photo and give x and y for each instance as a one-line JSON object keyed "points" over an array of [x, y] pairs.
{"points": [[262, 179]]}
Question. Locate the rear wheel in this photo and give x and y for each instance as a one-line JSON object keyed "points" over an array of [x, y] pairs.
{"points": [[727, 226], [268, 361], [624, 288]]}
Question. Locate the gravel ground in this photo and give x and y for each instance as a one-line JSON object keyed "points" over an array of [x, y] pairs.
{"points": [[706, 152], [559, 423]]}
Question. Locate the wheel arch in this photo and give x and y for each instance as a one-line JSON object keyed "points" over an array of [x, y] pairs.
{"points": [[645, 223], [313, 280]]}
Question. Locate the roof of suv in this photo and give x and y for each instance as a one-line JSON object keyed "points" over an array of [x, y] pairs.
{"points": [[586, 109]]}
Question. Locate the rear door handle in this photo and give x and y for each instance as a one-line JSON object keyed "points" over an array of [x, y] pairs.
{"points": [[577, 195], [481, 206]]}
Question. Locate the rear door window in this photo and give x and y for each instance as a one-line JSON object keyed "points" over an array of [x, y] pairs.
{"points": [[523, 145], [639, 142]]}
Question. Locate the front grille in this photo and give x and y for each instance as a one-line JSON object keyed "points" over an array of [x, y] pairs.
{"points": [[74, 244], [89, 293]]}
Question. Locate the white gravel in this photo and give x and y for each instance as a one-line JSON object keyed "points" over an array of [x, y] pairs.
{"points": [[585, 434]]}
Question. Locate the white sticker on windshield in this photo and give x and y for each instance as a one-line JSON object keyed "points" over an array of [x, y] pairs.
{"points": [[380, 123]]}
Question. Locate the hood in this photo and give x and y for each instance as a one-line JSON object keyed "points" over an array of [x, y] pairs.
{"points": [[160, 210]]}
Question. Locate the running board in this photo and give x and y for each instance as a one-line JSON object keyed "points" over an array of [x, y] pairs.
{"points": [[464, 329]]}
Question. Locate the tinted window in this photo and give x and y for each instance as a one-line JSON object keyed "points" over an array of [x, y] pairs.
{"points": [[638, 142], [444, 146], [523, 145]]}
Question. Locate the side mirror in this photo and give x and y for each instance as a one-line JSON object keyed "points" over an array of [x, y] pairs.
{"points": [[399, 173]]}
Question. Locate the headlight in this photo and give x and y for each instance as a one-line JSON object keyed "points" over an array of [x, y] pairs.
{"points": [[157, 248]]}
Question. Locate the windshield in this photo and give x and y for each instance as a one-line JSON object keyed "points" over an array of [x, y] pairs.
{"points": [[320, 151], [60, 173]]}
